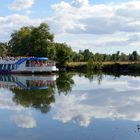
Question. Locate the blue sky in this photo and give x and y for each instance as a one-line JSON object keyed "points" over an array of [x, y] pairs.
{"points": [[103, 26]]}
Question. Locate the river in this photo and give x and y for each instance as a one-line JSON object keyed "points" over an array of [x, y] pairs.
{"points": [[69, 106]]}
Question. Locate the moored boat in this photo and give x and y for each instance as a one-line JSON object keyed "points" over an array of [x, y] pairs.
{"points": [[27, 65]]}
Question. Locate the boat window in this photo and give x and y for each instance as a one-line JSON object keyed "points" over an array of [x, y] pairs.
{"points": [[1, 78], [4, 67], [4, 77], [13, 79], [9, 78], [27, 63], [39, 63], [13, 66], [8, 67], [34, 63], [36, 83], [0, 66]]}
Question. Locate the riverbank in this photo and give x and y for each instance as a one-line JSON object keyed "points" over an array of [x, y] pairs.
{"points": [[109, 67]]}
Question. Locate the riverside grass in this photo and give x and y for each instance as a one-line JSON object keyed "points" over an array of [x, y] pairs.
{"points": [[118, 66], [103, 63]]}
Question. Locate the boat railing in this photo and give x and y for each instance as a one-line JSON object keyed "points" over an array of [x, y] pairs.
{"points": [[41, 64], [10, 58]]}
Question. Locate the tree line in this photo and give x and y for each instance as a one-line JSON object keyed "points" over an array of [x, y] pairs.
{"points": [[87, 55], [39, 42]]}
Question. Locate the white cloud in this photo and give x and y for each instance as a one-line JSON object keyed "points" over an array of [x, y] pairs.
{"points": [[28, 12], [13, 22], [80, 3], [109, 25], [24, 121], [21, 4], [96, 19], [114, 21], [102, 43]]}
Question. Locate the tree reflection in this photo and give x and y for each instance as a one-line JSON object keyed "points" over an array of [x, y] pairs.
{"points": [[38, 93], [92, 75], [100, 77], [39, 99], [64, 83]]}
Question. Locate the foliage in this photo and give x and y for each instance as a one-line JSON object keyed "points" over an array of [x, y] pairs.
{"points": [[32, 41], [63, 53], [98, 58], [134, 56], [90, 65], [3, 49]]}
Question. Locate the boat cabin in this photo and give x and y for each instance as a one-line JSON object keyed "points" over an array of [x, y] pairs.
{"points": [[27, 64]]}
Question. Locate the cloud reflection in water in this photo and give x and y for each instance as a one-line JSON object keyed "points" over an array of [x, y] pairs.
{"points": [[6, 102], [24, 121], [113, 99]]}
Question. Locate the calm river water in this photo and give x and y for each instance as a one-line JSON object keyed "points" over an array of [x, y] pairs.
{"points": [[69, 107]]}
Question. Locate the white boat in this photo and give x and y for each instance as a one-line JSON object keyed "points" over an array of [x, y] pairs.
{"points": [[27, 65], [28, 82]]}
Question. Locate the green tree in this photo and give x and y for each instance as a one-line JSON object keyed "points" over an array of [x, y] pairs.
{"points": [[135, 55], [42, 41], [90, 65], [4, 50], [114, 57], [130, 57], [32, 41], [118, 55], [20, 42], [123, 57], [87, 55], [63, 53]]}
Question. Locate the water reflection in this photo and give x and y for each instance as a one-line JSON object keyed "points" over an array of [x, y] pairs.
{"points": [[27, 81], [36, 91], [24, 121], [40, 99], [115, 99], [91, 76], [31, 91], [83, 106], [64, 83]]}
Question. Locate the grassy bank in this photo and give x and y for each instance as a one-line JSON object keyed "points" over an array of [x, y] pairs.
{"points": [[104, 63], [124, 67]]}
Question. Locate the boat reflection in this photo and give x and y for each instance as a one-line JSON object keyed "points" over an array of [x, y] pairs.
{"points": [[28, 82], [35, 91]]}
